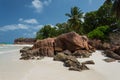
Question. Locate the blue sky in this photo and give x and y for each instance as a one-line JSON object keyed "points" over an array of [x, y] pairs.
{"points": [[23, 18]]}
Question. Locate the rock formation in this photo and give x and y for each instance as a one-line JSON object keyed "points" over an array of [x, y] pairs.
{"points": [[110, 50], [25, 41], [115, 37], [75, 44], [71, 41], [45, 46], [99, 45]]}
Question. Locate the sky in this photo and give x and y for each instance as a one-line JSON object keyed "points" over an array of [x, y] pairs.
{"points": [[23, 18]]}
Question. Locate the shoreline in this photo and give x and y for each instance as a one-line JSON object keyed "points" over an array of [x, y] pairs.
{"points": [[16, 44]]}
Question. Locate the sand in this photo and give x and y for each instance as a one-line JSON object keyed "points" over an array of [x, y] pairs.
{"points": [[11, 68]]}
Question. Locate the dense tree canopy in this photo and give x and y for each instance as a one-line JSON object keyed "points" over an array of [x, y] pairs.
{"points": [[62, 28], [45, 32], [100, 17]]}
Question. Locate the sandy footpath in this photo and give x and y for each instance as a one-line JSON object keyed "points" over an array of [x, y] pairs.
{"points": [[11, 68]]}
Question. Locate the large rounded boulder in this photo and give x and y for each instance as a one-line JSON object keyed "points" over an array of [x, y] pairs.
{"points": [[72, 42]]}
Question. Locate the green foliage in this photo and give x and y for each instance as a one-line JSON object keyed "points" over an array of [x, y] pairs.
{"points": [[45, 32], [104, 16], [99, 17], [62, 28], [90, 21], [99, 33], [74, 20]]}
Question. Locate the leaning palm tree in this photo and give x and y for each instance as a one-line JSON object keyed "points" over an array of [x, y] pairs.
{"points": [[116, 8], [74, 20]]}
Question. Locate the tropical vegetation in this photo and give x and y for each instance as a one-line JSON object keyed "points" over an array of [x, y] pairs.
{"points": [[95, 24]]}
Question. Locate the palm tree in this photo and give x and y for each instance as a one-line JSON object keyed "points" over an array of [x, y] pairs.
{"points": [[74, 20], [116, 8]]}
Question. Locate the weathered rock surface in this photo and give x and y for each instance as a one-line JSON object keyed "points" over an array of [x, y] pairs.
{"points": [[46, 47], [48, 42], [72, 42]]}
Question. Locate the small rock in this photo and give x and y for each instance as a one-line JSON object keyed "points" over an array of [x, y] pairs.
{"points": [[89, 62], [67, 52], [84, 67], [119, 61], [60, 57], [109, 60], [111, 54], [24, 49], [74, 68], [82, 53], [70, 63]]}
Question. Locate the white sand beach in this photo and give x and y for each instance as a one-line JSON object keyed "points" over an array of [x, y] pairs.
{"points": [[11, 68]]}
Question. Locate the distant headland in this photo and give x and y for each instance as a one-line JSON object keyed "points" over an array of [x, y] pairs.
{"points": [[24, 41]]}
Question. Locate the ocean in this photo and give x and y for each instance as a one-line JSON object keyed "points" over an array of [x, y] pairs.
{"points": [[8, 48]]}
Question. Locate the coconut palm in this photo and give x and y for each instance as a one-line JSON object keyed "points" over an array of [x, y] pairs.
{"points": [[74, 20]]}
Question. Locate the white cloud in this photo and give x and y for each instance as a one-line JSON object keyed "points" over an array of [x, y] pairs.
{"points": [[38, 4], [13, 27], [31, 21], [28, 21], [19, 26], [90, 2], [26, 30]]}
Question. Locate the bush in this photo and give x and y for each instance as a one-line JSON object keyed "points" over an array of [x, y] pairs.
{"points": [[99, 33]]}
